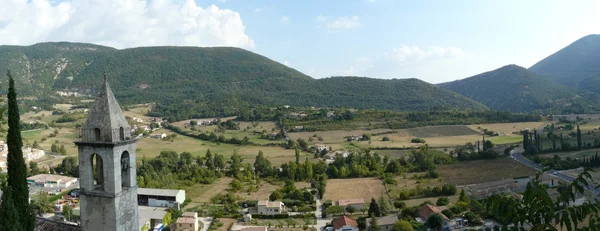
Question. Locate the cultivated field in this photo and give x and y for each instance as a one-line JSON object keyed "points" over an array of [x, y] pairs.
{"points": [[365, 188], [507, 128], [480, 171]]}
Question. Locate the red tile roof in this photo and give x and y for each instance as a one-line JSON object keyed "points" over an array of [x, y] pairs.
{"points": [[344, 221], [427, 210]]}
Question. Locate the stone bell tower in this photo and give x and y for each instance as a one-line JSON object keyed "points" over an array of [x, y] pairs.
{"points": [[107, 174]]}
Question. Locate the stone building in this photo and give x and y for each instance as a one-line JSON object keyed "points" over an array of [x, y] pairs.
{"points": [[107, 172]]}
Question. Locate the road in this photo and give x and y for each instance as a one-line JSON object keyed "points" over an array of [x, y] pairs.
{"points": [[321, 222]]}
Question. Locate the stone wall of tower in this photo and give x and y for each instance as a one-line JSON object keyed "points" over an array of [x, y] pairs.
{"points": [[109, 207]]}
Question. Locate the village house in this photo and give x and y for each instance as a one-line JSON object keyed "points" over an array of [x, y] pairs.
{"points": [[384, 223], [160, 197], [30, 154], [481, 191], [357, 203], [270, 207], [298, 128], [426, 210], [158, 136], [187, 222], [136, 119], [51, 181], [344, 223], [319, 147], [330, 114]]}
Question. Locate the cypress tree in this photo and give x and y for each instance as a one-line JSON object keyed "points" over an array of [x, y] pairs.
{"points": [[525, 140], [297, 155], [578, 138], [17, 188]]}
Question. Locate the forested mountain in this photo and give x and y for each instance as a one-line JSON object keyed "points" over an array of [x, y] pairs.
{"points": [[577, 65], [516, 89], [203, 81]]}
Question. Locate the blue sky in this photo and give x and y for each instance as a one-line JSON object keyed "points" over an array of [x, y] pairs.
{"points": [[435, 41]]}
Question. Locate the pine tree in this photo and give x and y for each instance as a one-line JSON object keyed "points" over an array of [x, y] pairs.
{"points": [[374, 208], [16, 188], [62, 150], [297, 155], [578, 138], [463, 196], [35, 144]]}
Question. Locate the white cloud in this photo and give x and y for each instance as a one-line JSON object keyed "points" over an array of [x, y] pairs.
{"points": [[257, 10], [121, 23], [343, 23], [285, 19], [286, 63]]}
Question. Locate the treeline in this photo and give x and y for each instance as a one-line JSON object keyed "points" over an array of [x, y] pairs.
{"points": [[210, 136]]}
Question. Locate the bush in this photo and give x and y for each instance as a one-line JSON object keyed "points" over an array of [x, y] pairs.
{"points": [[449, 214], [267, 216], [399, 204], [459, 207], [417, 140], [442, 201], [385, 138], [411, 211], [473, 218]]}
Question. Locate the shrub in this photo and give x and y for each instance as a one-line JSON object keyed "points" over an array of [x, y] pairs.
{"points": [[399, 204], [417, 140], [385, 138], [442, 201], [449, 214]]}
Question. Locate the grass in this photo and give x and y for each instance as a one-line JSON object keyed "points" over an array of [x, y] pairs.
{"points": [[480, 171], [507, 139], [365, 188], [200, 193]]}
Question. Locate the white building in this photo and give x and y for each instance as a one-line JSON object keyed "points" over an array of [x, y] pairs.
{"points": [[270, 207], [344, 224], [160, 197], [52, 181]]}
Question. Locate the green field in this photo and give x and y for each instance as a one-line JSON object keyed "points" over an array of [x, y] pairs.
{"points": [[506, 139]]}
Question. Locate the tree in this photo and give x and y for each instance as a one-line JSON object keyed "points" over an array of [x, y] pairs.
{"points": [[403, 225], [550, 214], [297, 155], [578, 138], [435, 221], [54, 148], [236, 185], [463, 196], [374, 209], [373, 226], [33, 168], [17, 170], [62, 150], [442, 201], [277, 195], [384, 206], [35, 145], [334, 210], [67, 212], [350, 209], [41, 204]]}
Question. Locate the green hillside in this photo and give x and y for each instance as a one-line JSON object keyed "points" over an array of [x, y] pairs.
{"points": [[193, 81], [516, 89], [577, 65]]}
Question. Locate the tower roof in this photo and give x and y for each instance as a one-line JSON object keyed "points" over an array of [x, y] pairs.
{"points": [[105, 113]]}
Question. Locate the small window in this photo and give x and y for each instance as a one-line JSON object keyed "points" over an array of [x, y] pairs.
{"points": [[97, 136], [121, 133]]}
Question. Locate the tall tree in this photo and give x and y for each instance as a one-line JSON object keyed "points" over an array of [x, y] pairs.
{"points": [[297, 155], [525, 140], [578, 138], [17, 170], [374, 208]]}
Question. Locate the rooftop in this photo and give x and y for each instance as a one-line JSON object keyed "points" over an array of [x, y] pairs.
{"points": [[190, 214], [427, 210], [344, 221], [186, 220], [270, 204], [387, 220], [346, 202], [257, 228], [42, 224], [50, 177], [146, 213], [159, 192]]}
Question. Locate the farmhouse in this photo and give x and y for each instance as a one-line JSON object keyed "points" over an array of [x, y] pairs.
{"points": [[270, 207], [298, 128], [51, 181], [384, 223], [344, 224], [357, 204], [484, 190], [160, 197], [427, 210], [319, 147], [187, 222]]}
